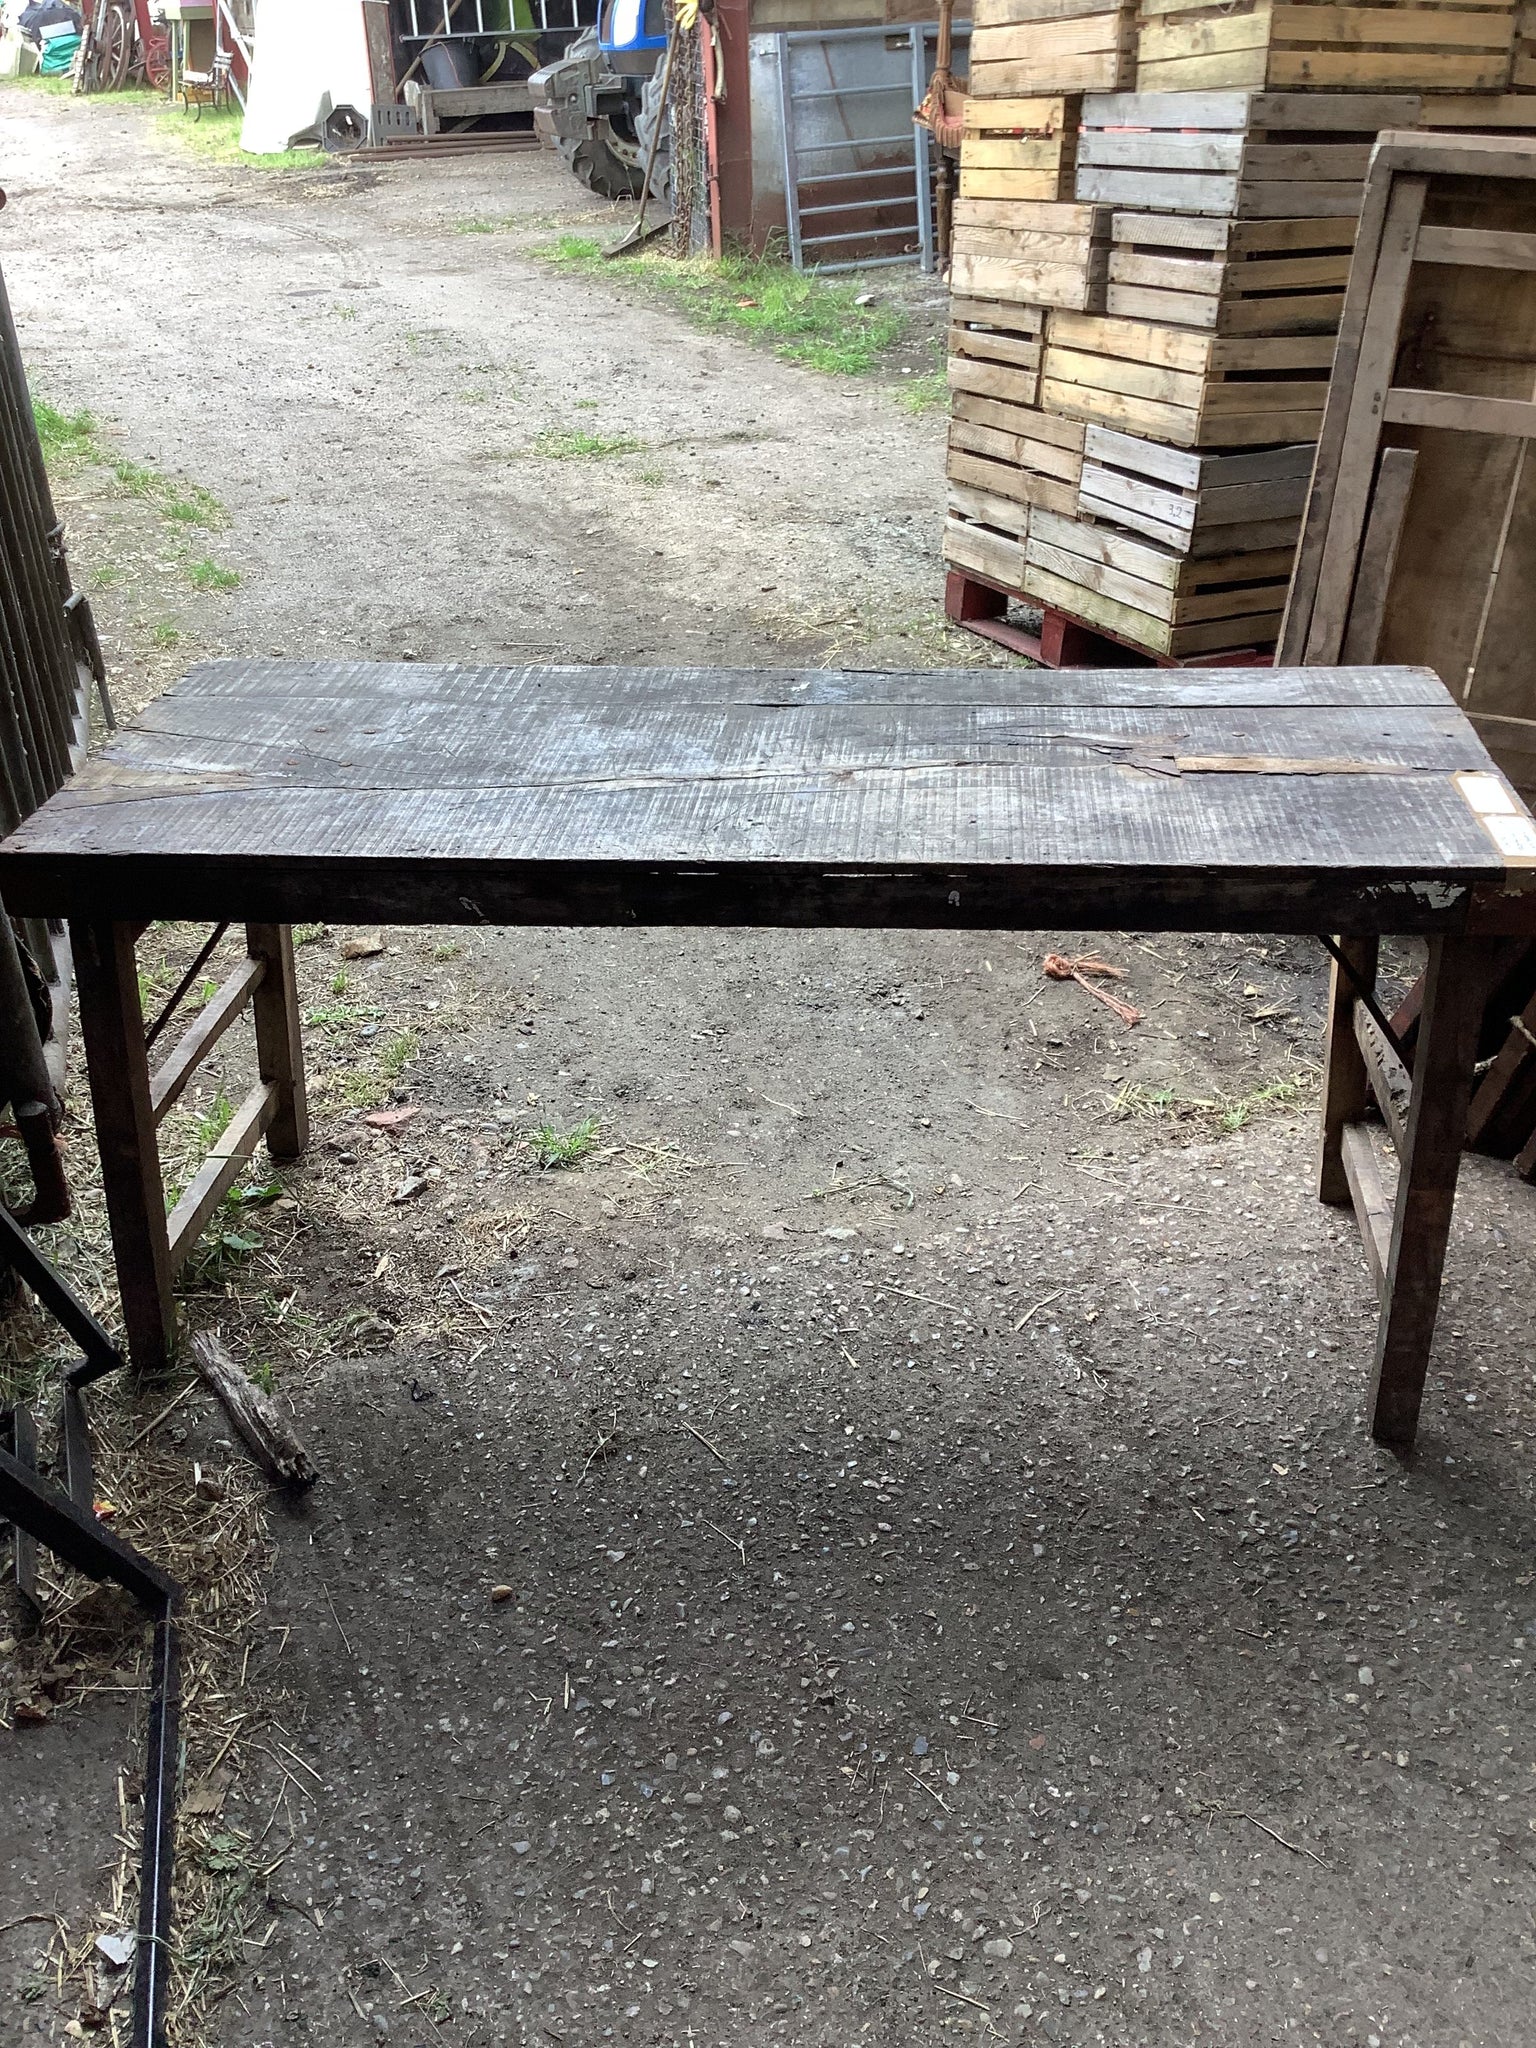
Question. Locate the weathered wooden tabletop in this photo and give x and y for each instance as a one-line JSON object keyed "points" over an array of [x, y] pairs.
{"points": [[1305, 799]]}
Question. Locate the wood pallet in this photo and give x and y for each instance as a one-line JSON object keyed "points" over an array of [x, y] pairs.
{"points": [[1196, 505], [1193, 390], [981, 604], [1230, 276], [1019, 149], [1456, 46], [1241, 155], [1042, 254], [1044, 46], [1155, 596], [1420, 536]]}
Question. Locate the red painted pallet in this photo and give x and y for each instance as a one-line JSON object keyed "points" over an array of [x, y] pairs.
{"points": [[1063, 641]]}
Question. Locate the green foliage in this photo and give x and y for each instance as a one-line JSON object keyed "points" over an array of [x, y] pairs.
{"points": [[574, 444], [215, 136], [398, 1054], [554, 1148], [165, 634], [66, 437], [214, 1120], [927, 393], [207, 575], [802, 317], [308, 934]]}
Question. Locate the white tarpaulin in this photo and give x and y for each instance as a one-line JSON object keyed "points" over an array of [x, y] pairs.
{"points": [[304, 49]]}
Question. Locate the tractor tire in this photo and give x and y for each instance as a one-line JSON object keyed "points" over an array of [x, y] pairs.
{"points": [[653, 111], [594, 160]]}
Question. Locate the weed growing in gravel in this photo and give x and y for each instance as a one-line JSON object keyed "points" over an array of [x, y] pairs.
{"points": [[555, 1148], [927, 393], [574, 444], [1224, 1113], [66, 437], [398, 1054], [802, 317], [308, 934], [183, 503], [165, 634], [486, 224], [207, 575]]}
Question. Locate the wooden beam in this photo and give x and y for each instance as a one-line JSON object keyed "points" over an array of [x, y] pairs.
{"points": [[279, 1041], [1460, 412], [112, 1025], [1430, 1159], [1346, 1085], [1389, 1079], [176, 1070], [219, 1171], [1488, 248], [1378, 555], [1372, 1209]]}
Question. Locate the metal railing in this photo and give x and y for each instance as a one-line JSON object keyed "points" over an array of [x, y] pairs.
{"points": [[846, 100]]}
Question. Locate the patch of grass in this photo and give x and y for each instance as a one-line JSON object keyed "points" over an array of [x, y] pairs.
{"points": [[334, 1016], [66, 437], [651, 476], [345, 312], [486, 224], [207, 575], [183, 503], [800, 316], [398, 1054], [362, 1088], [445, 949], [1223, 1113], [308, 934], [927, 393], [213, 1122], [165, 634], [105, 575], [554, 1148], [574, 444], [339, 982], [215, 137]]}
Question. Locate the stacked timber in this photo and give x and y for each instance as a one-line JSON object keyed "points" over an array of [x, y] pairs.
{"points": [[1157, 212], [1430, 46]]}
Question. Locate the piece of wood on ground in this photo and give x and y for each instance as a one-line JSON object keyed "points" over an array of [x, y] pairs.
{"points": [[262, 1427]]}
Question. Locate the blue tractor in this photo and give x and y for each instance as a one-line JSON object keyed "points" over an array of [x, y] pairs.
{"points": [[600, 102]]}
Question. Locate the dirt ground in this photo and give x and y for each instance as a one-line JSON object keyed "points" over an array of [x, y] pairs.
{"points": [[884, 1548]]}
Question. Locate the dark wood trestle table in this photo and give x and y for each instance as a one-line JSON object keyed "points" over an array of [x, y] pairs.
{"points": [[1353, 803]]}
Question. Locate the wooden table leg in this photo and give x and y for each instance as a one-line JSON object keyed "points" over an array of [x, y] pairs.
{"points": [[112, 1026], [279, 1044], [1346, 1089], [1428, 1164]]}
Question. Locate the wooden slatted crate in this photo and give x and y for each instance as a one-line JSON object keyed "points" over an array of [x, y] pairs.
{"points": [[1522, 75], [1242, 155], [1019, 454], [1196, 505], [991, 336], [1431, 46], [1176, 385], [985, 536], [1230, 276], [1020, 149], [1043, 46], [1151, 595], [1035, 253]]}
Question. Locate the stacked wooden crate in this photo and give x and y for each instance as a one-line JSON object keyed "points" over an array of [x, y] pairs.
{"points": [[1148, 286]]}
